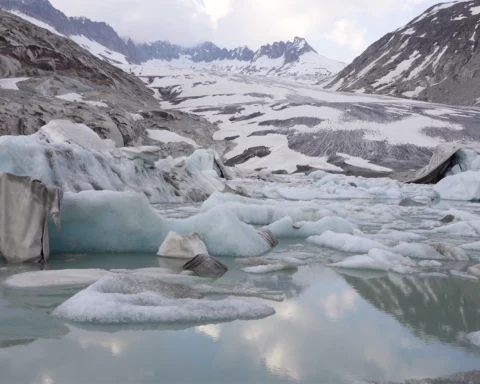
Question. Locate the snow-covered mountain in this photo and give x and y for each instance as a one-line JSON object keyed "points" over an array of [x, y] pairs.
{"points": [[296, 60], [435, 57]]}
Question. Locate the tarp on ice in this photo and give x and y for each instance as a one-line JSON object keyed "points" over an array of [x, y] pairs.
{"points": [[25, 204], [441, 161]]}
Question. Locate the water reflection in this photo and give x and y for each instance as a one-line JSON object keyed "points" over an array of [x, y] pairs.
{"points": [[444, 308]]}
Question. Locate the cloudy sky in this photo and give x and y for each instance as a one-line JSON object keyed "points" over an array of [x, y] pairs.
{"points": [[340, 29]]}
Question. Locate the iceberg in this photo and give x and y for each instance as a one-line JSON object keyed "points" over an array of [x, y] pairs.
{"points": [[287, 228], [462, 186], [264, 212], [378, 259], [55, 278], [74, 168], [345, 242], [182, 246], [106, 221], [130, 298], [434, 251]]}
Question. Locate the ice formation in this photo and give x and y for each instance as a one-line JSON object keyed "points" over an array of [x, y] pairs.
{"points": [[105, 221], [75, 168], [264, 212], [474, 338], [182, 246], [130, 298], [434, 251], [345, 242], [378, 259], [286, 227], [461, 186], [64, 277]]}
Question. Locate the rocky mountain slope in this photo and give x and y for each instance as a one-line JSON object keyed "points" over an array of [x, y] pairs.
{"points": [[295, 59], [435, 57], [44, 77]]}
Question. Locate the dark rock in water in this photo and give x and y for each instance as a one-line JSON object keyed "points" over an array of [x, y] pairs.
{"points": [[231, 138], [247, 155], [269, 237], [206, 266], [447, 219], [280, 172], [407, 202]]}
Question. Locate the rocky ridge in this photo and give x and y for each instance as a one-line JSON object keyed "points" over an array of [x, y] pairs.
{"points": [[434, 58]]}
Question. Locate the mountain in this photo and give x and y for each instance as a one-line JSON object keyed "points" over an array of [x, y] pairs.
{"points": [[435, 57], [45, 77], [297, 59]]}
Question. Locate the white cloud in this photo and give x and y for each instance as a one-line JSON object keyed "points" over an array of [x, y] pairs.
{"points": [[346, 33], [339, 29]]}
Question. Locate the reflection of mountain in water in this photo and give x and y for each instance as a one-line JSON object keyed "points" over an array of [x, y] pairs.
{"points": [[443, 308]]}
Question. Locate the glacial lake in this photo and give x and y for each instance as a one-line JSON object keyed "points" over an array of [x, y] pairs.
{"points": [[333, 326]]}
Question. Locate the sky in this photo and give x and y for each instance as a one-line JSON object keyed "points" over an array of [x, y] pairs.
{"points": [[338, 29]]}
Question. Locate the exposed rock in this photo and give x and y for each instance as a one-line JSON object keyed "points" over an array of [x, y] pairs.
{"points": [[434, 58]]}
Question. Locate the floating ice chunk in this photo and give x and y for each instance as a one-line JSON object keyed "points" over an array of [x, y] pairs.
{"points": [[261, 212], [285, 228], [269, 268], [345, 242], [64, 131], [462, 186], [429, 263], [462, 229], [63, 277], [460, 215], [223, 233], [273, 262], [378, 259], [418, 251], [125, 298], [105, 221], [293, 193], [182, 246], [472, 246], [474, 338], [475, 270], [398, 236], [450, 252], [463, 275], [318, 175]]}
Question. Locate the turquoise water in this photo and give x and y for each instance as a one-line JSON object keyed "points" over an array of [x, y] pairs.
{"points": [[332, 328]]}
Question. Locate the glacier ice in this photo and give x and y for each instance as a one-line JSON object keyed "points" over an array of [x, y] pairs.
{"points": [[429, 263], [74, 168], [269, 268], [345, 242], [474, 338], [462, 186], [378, 259], [287, 228], [264, 212], [130, 298], [182, 246], [433, 251], [65, 131], [106, 221], [54, 278]]}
